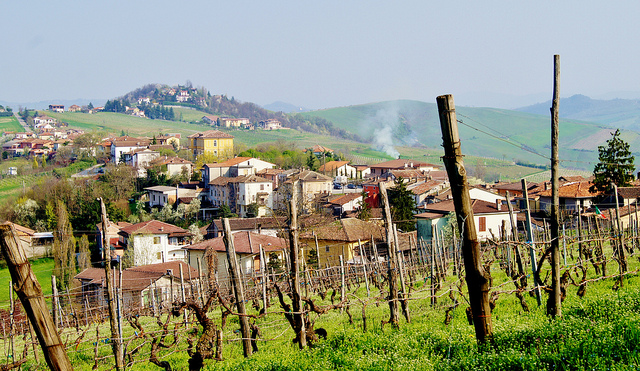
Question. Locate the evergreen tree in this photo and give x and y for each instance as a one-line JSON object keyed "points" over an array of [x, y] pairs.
{"points": [[84, 256], [64, 249], [615, 164], [402, 205]]}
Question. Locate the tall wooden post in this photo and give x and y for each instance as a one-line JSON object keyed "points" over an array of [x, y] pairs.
{"points": [[364, 267], [55, 301], [29, 292], [294, 251], [116, 341], [235, 273], [265, 277], [532, 252], [477, 278], [393, 274], [554, 304]]}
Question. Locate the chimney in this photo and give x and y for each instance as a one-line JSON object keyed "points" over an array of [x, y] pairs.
{"points": [[499, 204], [169, 272]]}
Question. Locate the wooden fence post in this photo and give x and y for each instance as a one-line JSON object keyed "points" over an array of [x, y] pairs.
{"points": [[29, 292], [393, 275]]}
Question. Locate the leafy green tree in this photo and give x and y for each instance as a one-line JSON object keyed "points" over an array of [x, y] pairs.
{"points": [[84, 255], [225, 212], [64, 249], [615, 164], [312, 258], [402, 205]]}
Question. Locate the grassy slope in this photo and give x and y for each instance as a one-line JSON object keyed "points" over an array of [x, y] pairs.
{"points": [[10, 123], [42, 269], [419, 121], [357, 152]]}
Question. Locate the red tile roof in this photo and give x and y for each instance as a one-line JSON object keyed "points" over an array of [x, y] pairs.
{"points": [[211, 134], [244, 242], [154, 227]]}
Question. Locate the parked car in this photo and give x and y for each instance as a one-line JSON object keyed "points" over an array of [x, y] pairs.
{"points": [[351, 186], [337, 186]]}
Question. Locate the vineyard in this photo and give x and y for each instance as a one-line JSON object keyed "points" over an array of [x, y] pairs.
{"points": [[347, 312]]}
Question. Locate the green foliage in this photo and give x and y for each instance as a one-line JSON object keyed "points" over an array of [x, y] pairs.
{"points": [[364, 212], [402, 205], [615, 164], [312, 258], [274, 263]]}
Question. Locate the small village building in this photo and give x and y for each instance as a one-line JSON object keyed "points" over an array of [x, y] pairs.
{"points": [[154, 242]]}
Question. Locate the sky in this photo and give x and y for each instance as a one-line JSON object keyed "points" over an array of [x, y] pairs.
{"points": [[321, 54]]}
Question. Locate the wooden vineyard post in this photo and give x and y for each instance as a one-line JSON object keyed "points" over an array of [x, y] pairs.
{"points": [[478, 280], [343, 286], [294, 250], [532, 252], [236, 280], [265, 278], [116, 341], [620, 250], [54, 301], [29, 292], [393, 275], [364, 267], [554, 305]]}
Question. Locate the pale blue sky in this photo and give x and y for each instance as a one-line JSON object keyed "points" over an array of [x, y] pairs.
{"points": [[321, 54]]}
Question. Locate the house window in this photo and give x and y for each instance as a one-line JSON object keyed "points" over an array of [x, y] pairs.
{"points": [[262, 187], [482, 221], [159, 256], [156, 240], [326, 248], [215, 143]]}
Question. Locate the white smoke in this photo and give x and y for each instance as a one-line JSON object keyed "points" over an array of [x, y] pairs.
{"points": [[385, 123]]}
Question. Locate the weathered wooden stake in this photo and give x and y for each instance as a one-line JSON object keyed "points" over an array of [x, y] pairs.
{"points": [[478, 280], [554, 304], [530, 241], [29, 292]]}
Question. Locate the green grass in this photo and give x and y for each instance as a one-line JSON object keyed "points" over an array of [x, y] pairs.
{"points": [[10, 123], [42, 268]]}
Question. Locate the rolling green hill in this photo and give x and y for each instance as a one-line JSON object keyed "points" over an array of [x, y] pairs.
{"points": [[485, 132]]}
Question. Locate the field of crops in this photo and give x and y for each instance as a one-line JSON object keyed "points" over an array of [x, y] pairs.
{"points": [[9, 123]]}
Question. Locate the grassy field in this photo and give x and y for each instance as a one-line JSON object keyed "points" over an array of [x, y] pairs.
{"points": [[42, 268], [10, 123], [600, 331]]}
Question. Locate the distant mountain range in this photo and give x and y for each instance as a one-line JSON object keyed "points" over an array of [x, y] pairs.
{"points": [[616, 113], [284, 107]]}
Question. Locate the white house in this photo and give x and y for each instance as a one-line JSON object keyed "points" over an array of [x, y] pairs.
{"points": [[124, 145], [141, 159], [161, 195], [335, 168], [234, 167], [154, 242], [240, 192], [488, 218]]}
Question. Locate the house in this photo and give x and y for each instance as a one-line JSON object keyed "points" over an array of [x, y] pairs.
{"points": [[336, 168], [345, 203], [162, 195], [56, 108], [247, 246], [117, 249], [309, 183], [270, 174], [142, 286], [372, 190], [122, 147], [488, 218], [175, 166], [241, 192], [74, 108], [514, 188], [141, 159], [213, 142], [572, 195], [183, 96], [270, 124], [319, 150], [154, 242], [340, 237], [362, 171], [423, 190], [401, 164], [169, 139], [229, 122], [35, 244], [233, 167], [626, 196], [41, 122], [210, 120]]}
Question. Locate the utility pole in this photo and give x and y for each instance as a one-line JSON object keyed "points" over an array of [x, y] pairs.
{"points": [[116, 341], [554, 305], [478, 280]]}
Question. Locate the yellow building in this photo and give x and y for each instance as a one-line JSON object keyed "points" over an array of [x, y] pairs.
{"points": [[213, 142], [340, 238]]}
